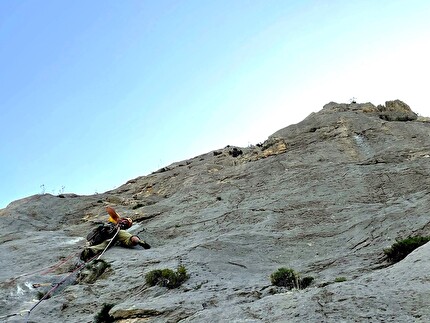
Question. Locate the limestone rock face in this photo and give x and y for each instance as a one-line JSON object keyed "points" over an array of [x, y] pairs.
{"points": [[323, 197]]}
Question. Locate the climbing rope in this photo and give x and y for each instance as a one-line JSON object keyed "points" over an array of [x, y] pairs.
{"points": [[48, 269], [59, 264], [51, 291], [12, 315], [55, 287], [51, 268]]}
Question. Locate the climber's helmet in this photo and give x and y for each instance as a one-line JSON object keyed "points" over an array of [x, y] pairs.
{"points": [[125, 223]]}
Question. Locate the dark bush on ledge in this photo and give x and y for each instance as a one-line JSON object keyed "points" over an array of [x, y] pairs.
{"points": [[287, 277], [402, 248], [306, 281]]}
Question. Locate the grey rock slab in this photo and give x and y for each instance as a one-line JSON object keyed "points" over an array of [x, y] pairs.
{"points": [[324, 197]]}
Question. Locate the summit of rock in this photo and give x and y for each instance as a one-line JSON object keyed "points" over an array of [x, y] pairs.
{"points": [[325, 197]]}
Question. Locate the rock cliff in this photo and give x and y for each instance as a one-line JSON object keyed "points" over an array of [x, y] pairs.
{"points": [[324, 197]]}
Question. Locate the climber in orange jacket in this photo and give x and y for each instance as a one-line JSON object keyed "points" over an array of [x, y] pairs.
{"points": [[101, 237]]}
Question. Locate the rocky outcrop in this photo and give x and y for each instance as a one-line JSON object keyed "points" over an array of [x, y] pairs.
{"points": [[396, 111], [392, 110], [324, 197]]}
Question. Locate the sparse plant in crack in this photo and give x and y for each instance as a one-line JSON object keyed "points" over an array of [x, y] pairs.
{"points": [[402, 248], [137, 206], [287, 277], [103, 316]]}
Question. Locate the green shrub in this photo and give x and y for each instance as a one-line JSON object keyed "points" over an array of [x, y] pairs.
{"points": [[152, 277], [402, 248], [287, 277], [167, 277], [103, 316]]}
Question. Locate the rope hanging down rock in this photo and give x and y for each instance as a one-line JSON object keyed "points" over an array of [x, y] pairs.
{"points": [[54, 288]]}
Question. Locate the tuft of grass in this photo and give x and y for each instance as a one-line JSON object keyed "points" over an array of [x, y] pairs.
{"points": [[103, 316], [287, 277], [167, 277], [402, 248]]}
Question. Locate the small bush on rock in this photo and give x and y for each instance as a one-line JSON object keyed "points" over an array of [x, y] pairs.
{"points": [[402, 248], [287, 277], [167, 277]]}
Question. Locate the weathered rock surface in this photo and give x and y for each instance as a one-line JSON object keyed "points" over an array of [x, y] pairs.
{"points": [[324, 197]]}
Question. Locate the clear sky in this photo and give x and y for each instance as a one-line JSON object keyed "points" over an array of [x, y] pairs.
{"points": [[94, 93]]}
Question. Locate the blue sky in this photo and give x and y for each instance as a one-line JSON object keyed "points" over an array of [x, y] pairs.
{"points": [[94, 93]]}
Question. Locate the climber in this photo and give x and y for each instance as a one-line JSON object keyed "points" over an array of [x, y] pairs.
{"points": [[100, 238]]}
